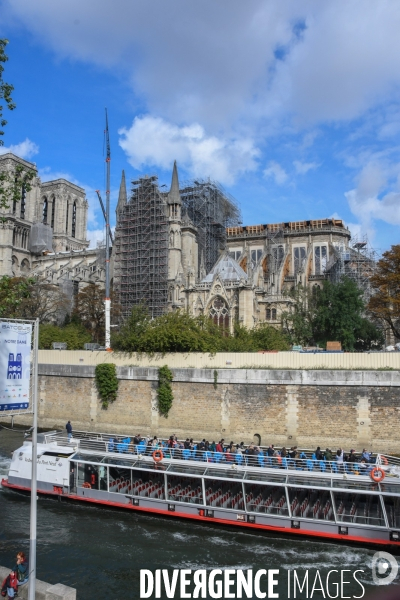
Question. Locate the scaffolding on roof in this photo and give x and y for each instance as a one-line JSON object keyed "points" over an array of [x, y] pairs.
{"points": [[357, 262], [141, 243], [212, 210]]}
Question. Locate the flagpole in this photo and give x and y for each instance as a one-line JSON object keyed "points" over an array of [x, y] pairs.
{"points": [[33, 516]]}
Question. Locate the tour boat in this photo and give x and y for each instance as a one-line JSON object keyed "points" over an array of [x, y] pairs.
{"points": [[299, 496]]}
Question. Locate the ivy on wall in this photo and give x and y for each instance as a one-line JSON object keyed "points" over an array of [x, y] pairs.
{"points": [[215, 379], [164, 391], [106, 383]]}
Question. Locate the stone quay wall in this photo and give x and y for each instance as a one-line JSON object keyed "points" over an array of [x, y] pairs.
{"points": [[285, 407]]}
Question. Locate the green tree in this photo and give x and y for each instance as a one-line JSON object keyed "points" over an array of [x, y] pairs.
{"points": [[269, 338], [74, 335], [339, 309], [298, 320], [6, 89], [385, 302], [13, 292]]}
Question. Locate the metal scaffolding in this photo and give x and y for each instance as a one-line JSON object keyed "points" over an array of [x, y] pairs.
{"points": [[141, 257], [357, 262], [211, 210]]}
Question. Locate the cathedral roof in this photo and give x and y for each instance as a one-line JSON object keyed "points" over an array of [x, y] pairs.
{"points": [[227, 268]]}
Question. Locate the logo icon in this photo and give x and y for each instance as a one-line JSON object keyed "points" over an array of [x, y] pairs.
{"points": [[384, 568]]}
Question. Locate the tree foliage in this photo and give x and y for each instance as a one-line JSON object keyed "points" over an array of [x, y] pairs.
{"points": [[13, 184], [106, 383], [6, 89], [74, 335], [31, 298], [13, 292], [385, 302], [164, 390], [180, 332], [89, 310], [334, 312]]}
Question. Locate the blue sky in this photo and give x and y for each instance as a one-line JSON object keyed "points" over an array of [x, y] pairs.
{"points": [[293, 106]]}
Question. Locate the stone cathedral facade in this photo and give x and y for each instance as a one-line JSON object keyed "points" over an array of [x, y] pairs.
{"points": [[58, 211]]}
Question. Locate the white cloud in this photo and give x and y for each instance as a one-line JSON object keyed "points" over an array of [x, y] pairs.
{"points": [[94, 236], [302, 167], [275, 171], [25, 149], [377, 195], [155, 141], [212, 62]]}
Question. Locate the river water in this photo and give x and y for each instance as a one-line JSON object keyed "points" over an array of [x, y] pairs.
{"points": [[100, 551]]}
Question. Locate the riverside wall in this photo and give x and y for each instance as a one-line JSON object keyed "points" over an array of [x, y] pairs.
{"points": [[335, 408]]}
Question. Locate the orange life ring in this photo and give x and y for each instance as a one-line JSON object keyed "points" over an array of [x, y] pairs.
{"points": [[377, 474], [158, 456], [384, 460], [86, 485]]}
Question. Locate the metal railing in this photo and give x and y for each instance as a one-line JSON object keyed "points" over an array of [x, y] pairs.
{"points": [[304, 461]]}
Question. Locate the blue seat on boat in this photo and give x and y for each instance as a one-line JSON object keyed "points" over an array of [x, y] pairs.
{"points": [[260, 459], [193, 453], [121, 447], [303, 455], [238, 458], [111, 445], [186, 454], [268, 461], [310, 464], [322, 466], [207, 456], [218, 456], [314, 456], [141, 448], [334, 467], [126, 440], [284, 462]]}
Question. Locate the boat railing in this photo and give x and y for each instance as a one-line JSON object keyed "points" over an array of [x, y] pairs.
{"points": [[305, 461]]}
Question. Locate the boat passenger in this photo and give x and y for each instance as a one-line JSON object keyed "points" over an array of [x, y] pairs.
{"points": [[352, 458], [68, 427], [340, 458], [366, 455], [284, 452], [271, 450], [213, 446], [219, 447], [318, 454], [328, 454], [201, 445], [154, 443], [186, 444]]}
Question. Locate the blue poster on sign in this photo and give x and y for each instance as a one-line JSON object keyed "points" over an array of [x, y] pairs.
{"points": [[15, 365]]}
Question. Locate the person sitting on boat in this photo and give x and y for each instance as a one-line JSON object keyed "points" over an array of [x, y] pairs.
{"points": [[154, 443], [284, 452], [339, 456], [187, 444], [201, 445], [328, 454], [219, 447], [366, 455], [318, 453], [271, 450], [352, 458], [239, 449], [213, 446], [229, 457]]}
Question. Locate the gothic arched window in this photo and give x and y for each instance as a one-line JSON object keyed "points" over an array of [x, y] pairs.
{"points": [[219, 313], [53, 211], [45, 207], [74, 220]]}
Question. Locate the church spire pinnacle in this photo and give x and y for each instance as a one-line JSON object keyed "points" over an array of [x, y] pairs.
{"points": [[122, 196], [174, 195]]}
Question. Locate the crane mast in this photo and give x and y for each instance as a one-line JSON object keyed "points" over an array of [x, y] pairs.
{"points": [[107, 300]]}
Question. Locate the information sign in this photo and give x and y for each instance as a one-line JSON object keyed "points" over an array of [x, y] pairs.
{"points": [[15, 364]]}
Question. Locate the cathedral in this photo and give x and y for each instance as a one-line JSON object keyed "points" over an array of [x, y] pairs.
{"points": [[162, 243], [179, 249], [44, 234]]}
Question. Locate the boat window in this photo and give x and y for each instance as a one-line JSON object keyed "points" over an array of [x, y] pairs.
{"points": [[119, 480], [393, 488], [358, 508], [145, 484], [151, 466], [311, 504], [260, 476], [267, 499], [392, 506], [88, 458], [224, 494], [92, 476], [184, 489], [226, 473], [184, 469], [57, 454], [310, 481], [349, 484]]}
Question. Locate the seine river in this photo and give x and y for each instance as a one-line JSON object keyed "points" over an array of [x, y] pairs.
{"points": [[100, 551]]}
